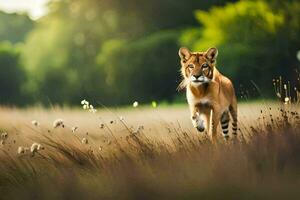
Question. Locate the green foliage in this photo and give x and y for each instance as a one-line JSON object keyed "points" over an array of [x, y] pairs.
{"points": [[116, 52], [12, 75], [112, 52], [14, 27], [141, 70], [59, 56], [255, 41]]}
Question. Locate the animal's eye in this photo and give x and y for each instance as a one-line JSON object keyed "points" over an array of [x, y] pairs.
{"points": [[205, 65], [191, 66]]}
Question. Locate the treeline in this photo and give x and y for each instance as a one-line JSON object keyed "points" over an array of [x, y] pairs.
{"points": [[115, 52]]}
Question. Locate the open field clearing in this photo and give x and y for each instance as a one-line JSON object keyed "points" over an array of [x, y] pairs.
{"points": [[152, 119], [151, 72], [147, 153]]}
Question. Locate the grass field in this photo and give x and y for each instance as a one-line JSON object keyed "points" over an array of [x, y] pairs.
{"points": [[148, 153]]}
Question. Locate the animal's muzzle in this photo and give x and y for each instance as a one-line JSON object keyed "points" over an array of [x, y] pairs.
{"points": [[198, 78]]}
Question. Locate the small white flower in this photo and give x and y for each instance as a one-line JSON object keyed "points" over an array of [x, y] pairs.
{"points": [[58, 123], [34, 147], [40, 147], [278, 95], [4, 135], [92, 109], [84, 141], [85, 107], [35, 123], [74, 129], [286, 100], [22, 150], [83, 102], [135, 104]]}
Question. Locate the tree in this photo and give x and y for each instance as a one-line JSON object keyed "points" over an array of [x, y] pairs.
{"points": [[64, 46], [254, 40], [12, 76], [14, 27], [143, 70]]}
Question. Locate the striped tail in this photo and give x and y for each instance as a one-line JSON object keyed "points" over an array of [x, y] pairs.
{"points": [[233, 112], [225, 123], [234, 127]]}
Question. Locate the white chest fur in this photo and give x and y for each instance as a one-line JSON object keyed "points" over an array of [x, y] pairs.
{"points": [[193, 100]]}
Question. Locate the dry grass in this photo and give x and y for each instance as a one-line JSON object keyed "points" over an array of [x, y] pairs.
{"points": [[151, 154]]}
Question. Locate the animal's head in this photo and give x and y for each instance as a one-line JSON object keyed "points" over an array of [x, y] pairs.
{"points": [[197, 67]]}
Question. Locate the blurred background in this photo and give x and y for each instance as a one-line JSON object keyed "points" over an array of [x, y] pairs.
{"points": [[116, 52]]}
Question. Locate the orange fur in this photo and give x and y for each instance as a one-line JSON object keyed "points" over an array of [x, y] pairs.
{"points": [[207, 89]]}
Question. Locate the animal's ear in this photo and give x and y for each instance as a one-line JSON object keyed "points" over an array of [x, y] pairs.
{"points": [[184, 54], [212, 54]]}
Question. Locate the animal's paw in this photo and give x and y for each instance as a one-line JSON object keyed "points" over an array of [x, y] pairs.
{"points": [[200, 125], [200, 128]]}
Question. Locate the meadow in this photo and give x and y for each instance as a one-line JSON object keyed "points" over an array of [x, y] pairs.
{"points": [[147, 153], [114, 52]]}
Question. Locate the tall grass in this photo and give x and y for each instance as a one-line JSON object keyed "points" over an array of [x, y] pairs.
{"points": [[263, 162]]}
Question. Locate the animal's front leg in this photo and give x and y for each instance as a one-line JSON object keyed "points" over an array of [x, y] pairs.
{"points": [[214, 120], [196, 120]]}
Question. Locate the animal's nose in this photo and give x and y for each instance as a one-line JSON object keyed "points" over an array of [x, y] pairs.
{"points": [[196, 76]]}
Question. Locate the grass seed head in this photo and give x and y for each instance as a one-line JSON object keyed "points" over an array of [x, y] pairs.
{"points": [[84, 141], [286, 100], [83, 102], [57, 123], [85, 107], [135, 104], [74, 129], [34, 147], [35, 123], [4, 136], [22, 150], [40, 147]]}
